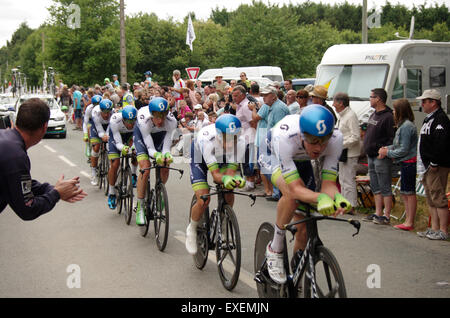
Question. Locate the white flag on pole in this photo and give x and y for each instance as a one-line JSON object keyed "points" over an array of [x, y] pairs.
{"points": [[190, 35]]}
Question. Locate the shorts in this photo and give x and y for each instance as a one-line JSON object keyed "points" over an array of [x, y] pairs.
{"points": [[141, 148], [113, 152], [95, 139], [435, 183], [78, 113], [249, 165], [408, 178], [380, 173], [199, 170]]}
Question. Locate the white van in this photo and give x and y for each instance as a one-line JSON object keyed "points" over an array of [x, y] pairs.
{"points": [[256, 73], [356, 69]]}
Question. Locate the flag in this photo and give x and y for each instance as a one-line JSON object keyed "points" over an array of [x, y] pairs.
{"points": [[190, 35]]}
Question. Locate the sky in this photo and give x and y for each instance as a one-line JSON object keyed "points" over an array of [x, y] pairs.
{"points": [[34, 12]]}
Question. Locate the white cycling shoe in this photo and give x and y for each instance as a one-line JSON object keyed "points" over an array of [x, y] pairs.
{"points": [[191, 239], [275, 266], [94, 180]]}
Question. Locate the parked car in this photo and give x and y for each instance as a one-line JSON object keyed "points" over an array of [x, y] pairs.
{"points": [[7, 110], [300, 83], [57, 122]]}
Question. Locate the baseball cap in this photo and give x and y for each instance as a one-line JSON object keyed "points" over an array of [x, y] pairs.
{"points": [[198, 106], [431, 94], [269, 89], [319, 91]]}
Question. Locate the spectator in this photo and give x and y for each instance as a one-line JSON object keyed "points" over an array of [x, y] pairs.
{"points": [[201, 121], [212, 117], [361, 168], [178, 85], [302, 98], [309, 88], [139, 102], [66, 100], [434, 150], [232, 86], [199, 88], [78, 107], [287, 86], [294, 107], [221, 86], [244, 114], [245, 80], [198, 98], [404, 151], [380, 133], [254, 92], [212, 105], [272, 111], [183, 108], [192, 93], [349, 126], [116, 80]]}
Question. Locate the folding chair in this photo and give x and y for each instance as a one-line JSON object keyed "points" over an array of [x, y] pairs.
{"points": [[420, 191]]}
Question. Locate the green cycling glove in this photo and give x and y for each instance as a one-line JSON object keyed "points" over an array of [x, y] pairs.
{"points": [[239, 179], [159, 158], [228, 182], [342, 202], [85, 138], [325, 205], [169, 158], [125, 150]]}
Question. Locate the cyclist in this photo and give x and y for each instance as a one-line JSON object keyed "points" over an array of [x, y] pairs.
{"points": [[99, 125], [152, 138], [218, 148], [121, 128], [291, 144], [96, 99]]}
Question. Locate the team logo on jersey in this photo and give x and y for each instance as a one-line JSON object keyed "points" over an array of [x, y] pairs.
{"points": [[321, 127], [284, 127]]}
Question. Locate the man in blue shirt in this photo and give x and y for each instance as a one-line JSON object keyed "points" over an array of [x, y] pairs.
{"points": [[78, 108], [268, 116]]}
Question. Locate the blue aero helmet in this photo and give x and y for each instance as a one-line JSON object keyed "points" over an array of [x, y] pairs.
{"points": [[129, 112], [316, 120], [159, 104], [96, 99], [228, 124], [106, 105]]}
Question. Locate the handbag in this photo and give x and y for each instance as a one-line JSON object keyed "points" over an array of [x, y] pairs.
{"points": [[344, 155]]}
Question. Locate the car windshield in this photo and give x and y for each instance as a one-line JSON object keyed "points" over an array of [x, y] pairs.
{"points": [[51, 102], [355, 80]]}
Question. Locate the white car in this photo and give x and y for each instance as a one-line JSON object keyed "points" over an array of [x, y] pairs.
{"points": [[57, 123], [7, 106]]}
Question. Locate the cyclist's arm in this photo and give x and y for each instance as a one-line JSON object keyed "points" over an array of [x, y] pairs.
{"points": [[87, 116], [98, 125], [117, 138], [148, 140], [168, 137], [298, 191]]}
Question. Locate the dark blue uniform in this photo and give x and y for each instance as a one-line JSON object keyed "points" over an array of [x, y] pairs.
{"points": [[28, 198]]}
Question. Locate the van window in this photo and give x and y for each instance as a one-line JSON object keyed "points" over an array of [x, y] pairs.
{"points": [[437, 76], [413, 87]]}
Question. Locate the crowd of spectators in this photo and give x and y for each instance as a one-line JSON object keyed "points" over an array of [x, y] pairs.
{"points": [[389, 137]]}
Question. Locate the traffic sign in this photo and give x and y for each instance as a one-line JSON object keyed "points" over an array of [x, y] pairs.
{"points": [[193, 72]]}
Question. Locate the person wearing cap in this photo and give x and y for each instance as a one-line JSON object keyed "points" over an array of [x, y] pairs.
{"points": [[221, 86], [380, 133], [106, 81], [319, 96], [271, 112], [434, 151]]}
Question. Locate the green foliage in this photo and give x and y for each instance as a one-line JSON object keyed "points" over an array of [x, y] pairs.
{"points": [[293, 36]]}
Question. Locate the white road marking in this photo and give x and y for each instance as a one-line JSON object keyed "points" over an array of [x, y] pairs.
{"points": [[244, 276], [49, 148], [70, 163], [84, 173]]}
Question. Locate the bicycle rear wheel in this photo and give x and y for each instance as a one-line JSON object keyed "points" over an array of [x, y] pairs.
{"points": [[228, 249], [127, 196], [161, 220], [328, 277], [105, 173], [120, 191], [265, 286], [201, 256]]}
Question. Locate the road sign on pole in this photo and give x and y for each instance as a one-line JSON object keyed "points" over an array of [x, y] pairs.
{"points": [[192, 72]]}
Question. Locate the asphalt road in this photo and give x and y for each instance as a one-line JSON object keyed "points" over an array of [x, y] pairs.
{"points": [[42, 257]]}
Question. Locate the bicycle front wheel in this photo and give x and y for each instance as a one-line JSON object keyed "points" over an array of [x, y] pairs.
{"points": [[329, 282], [265, 286], [161, 220], [228, 248], [201, 256], [148, 208], [105, 172], [127, 195]]}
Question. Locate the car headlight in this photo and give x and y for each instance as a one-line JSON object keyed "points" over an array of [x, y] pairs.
{"points": [[59, 118]]}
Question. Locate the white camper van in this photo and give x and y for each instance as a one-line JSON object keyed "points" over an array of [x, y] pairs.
{"points": [[403, 68], [256, 73]]}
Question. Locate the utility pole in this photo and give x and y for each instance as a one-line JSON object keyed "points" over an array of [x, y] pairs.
{"points": [[123, 45], [364, 22]]}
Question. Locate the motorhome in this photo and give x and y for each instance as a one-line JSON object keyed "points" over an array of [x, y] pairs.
{"points": [[257, 73], [404, 68]]}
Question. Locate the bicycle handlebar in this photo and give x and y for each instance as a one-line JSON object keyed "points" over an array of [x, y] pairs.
{"points": [[180, 171], [222, 190], [315, 215]]}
